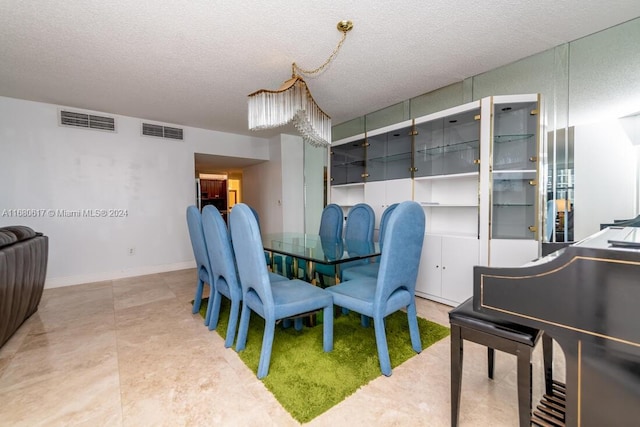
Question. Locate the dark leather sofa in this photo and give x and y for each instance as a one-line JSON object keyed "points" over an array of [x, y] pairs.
{"points": [[23, 267]]}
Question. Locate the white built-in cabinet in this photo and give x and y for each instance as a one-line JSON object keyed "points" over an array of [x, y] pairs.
{"points": [[446, 267], [475, 171], [381, 194]]}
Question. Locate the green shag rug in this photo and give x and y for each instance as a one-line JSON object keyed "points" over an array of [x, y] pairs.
{"points": [[308, 381]]}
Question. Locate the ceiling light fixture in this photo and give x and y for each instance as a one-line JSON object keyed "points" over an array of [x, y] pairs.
{"points": [[293, 102]]}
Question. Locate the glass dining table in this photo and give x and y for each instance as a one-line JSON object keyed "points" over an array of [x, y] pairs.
{"points": [[315, 249]]}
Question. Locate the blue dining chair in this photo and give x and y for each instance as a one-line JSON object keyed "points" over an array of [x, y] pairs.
{"points": [[196, 234], [371, 269], [331, 225], [358, 227], [394, 288], [223, 272], [274, 262], [271, 301]]}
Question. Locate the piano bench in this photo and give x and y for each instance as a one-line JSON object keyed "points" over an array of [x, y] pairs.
{"points": [[498, 334]]}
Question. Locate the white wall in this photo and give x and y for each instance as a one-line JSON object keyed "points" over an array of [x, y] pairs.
{"points": [[275, 188], [606, 173], [262, 189], [51, 167], [315, 159], [293, 183]]}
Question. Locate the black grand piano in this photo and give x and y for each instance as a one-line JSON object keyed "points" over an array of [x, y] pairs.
{"points": [[587, 298]]}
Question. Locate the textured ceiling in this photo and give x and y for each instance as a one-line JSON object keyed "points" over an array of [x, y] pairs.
{"points": [[193, 62]]}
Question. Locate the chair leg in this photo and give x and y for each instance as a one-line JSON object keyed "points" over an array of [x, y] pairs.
{"points": [[327, 331], [491, 359], [197, 299], [524, 384], [364, 321], [547, 356], [233, 323], [381, 343], [414, 332], [213, 310], [267, 344], [456, 373], [243, 328]]}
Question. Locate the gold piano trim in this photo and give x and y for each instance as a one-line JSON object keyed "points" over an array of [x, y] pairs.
{"points": [[584, 331]]}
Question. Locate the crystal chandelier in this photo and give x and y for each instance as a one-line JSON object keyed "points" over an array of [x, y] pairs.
{"points": [[293, 102]]}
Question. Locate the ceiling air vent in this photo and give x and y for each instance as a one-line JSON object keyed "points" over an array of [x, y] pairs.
{"points": [[90, 121], [161, 131]]}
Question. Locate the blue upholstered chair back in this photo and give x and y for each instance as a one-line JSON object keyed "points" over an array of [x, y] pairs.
{"points": [[255, 214], [220, 251], [401, 252], [196, 234], [331, 222], [383, 222], [247, 246], [360, 223]]}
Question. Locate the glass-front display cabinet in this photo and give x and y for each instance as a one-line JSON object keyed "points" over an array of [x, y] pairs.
{"points": [[446, 159], [389, 154], [514, 171], [448, 145], [348, 162]]}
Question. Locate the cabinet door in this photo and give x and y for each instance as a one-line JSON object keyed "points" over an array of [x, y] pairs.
{"points": [[429, 141], [398, 158], [429, 275], [389, 154], [448, 145], [216, 189], [461, 142], [514, 176], [204, 188], [459, 255], [347, 163], [376, 157], [379, 195], [375, 195]]}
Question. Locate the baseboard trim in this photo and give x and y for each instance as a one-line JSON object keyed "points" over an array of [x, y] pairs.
{"points": [[57, 282]]}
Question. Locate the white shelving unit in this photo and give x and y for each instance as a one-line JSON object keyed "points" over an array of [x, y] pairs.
{"points": [[475, 170], [514, 190], [446, 184]]}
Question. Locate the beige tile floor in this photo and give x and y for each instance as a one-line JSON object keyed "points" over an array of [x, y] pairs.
{"points": [[130, 353]]}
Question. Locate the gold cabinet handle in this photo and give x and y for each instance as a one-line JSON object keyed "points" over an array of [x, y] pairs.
{"points": [[476, 161], [532, 182], [533, 159], [533, 228]]}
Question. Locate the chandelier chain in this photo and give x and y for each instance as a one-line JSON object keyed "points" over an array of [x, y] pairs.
{"points": [[296, 69]]}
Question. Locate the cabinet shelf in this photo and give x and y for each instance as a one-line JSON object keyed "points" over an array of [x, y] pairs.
{"points": [[391, 158], [501, 139], [511, 175], [353, 184], [448, 205], [450, 148], [450, 176], [512, 205], [357, 163]]}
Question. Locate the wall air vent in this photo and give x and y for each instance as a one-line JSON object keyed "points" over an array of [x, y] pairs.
{"points": [[90, 121], [162, 131]]}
